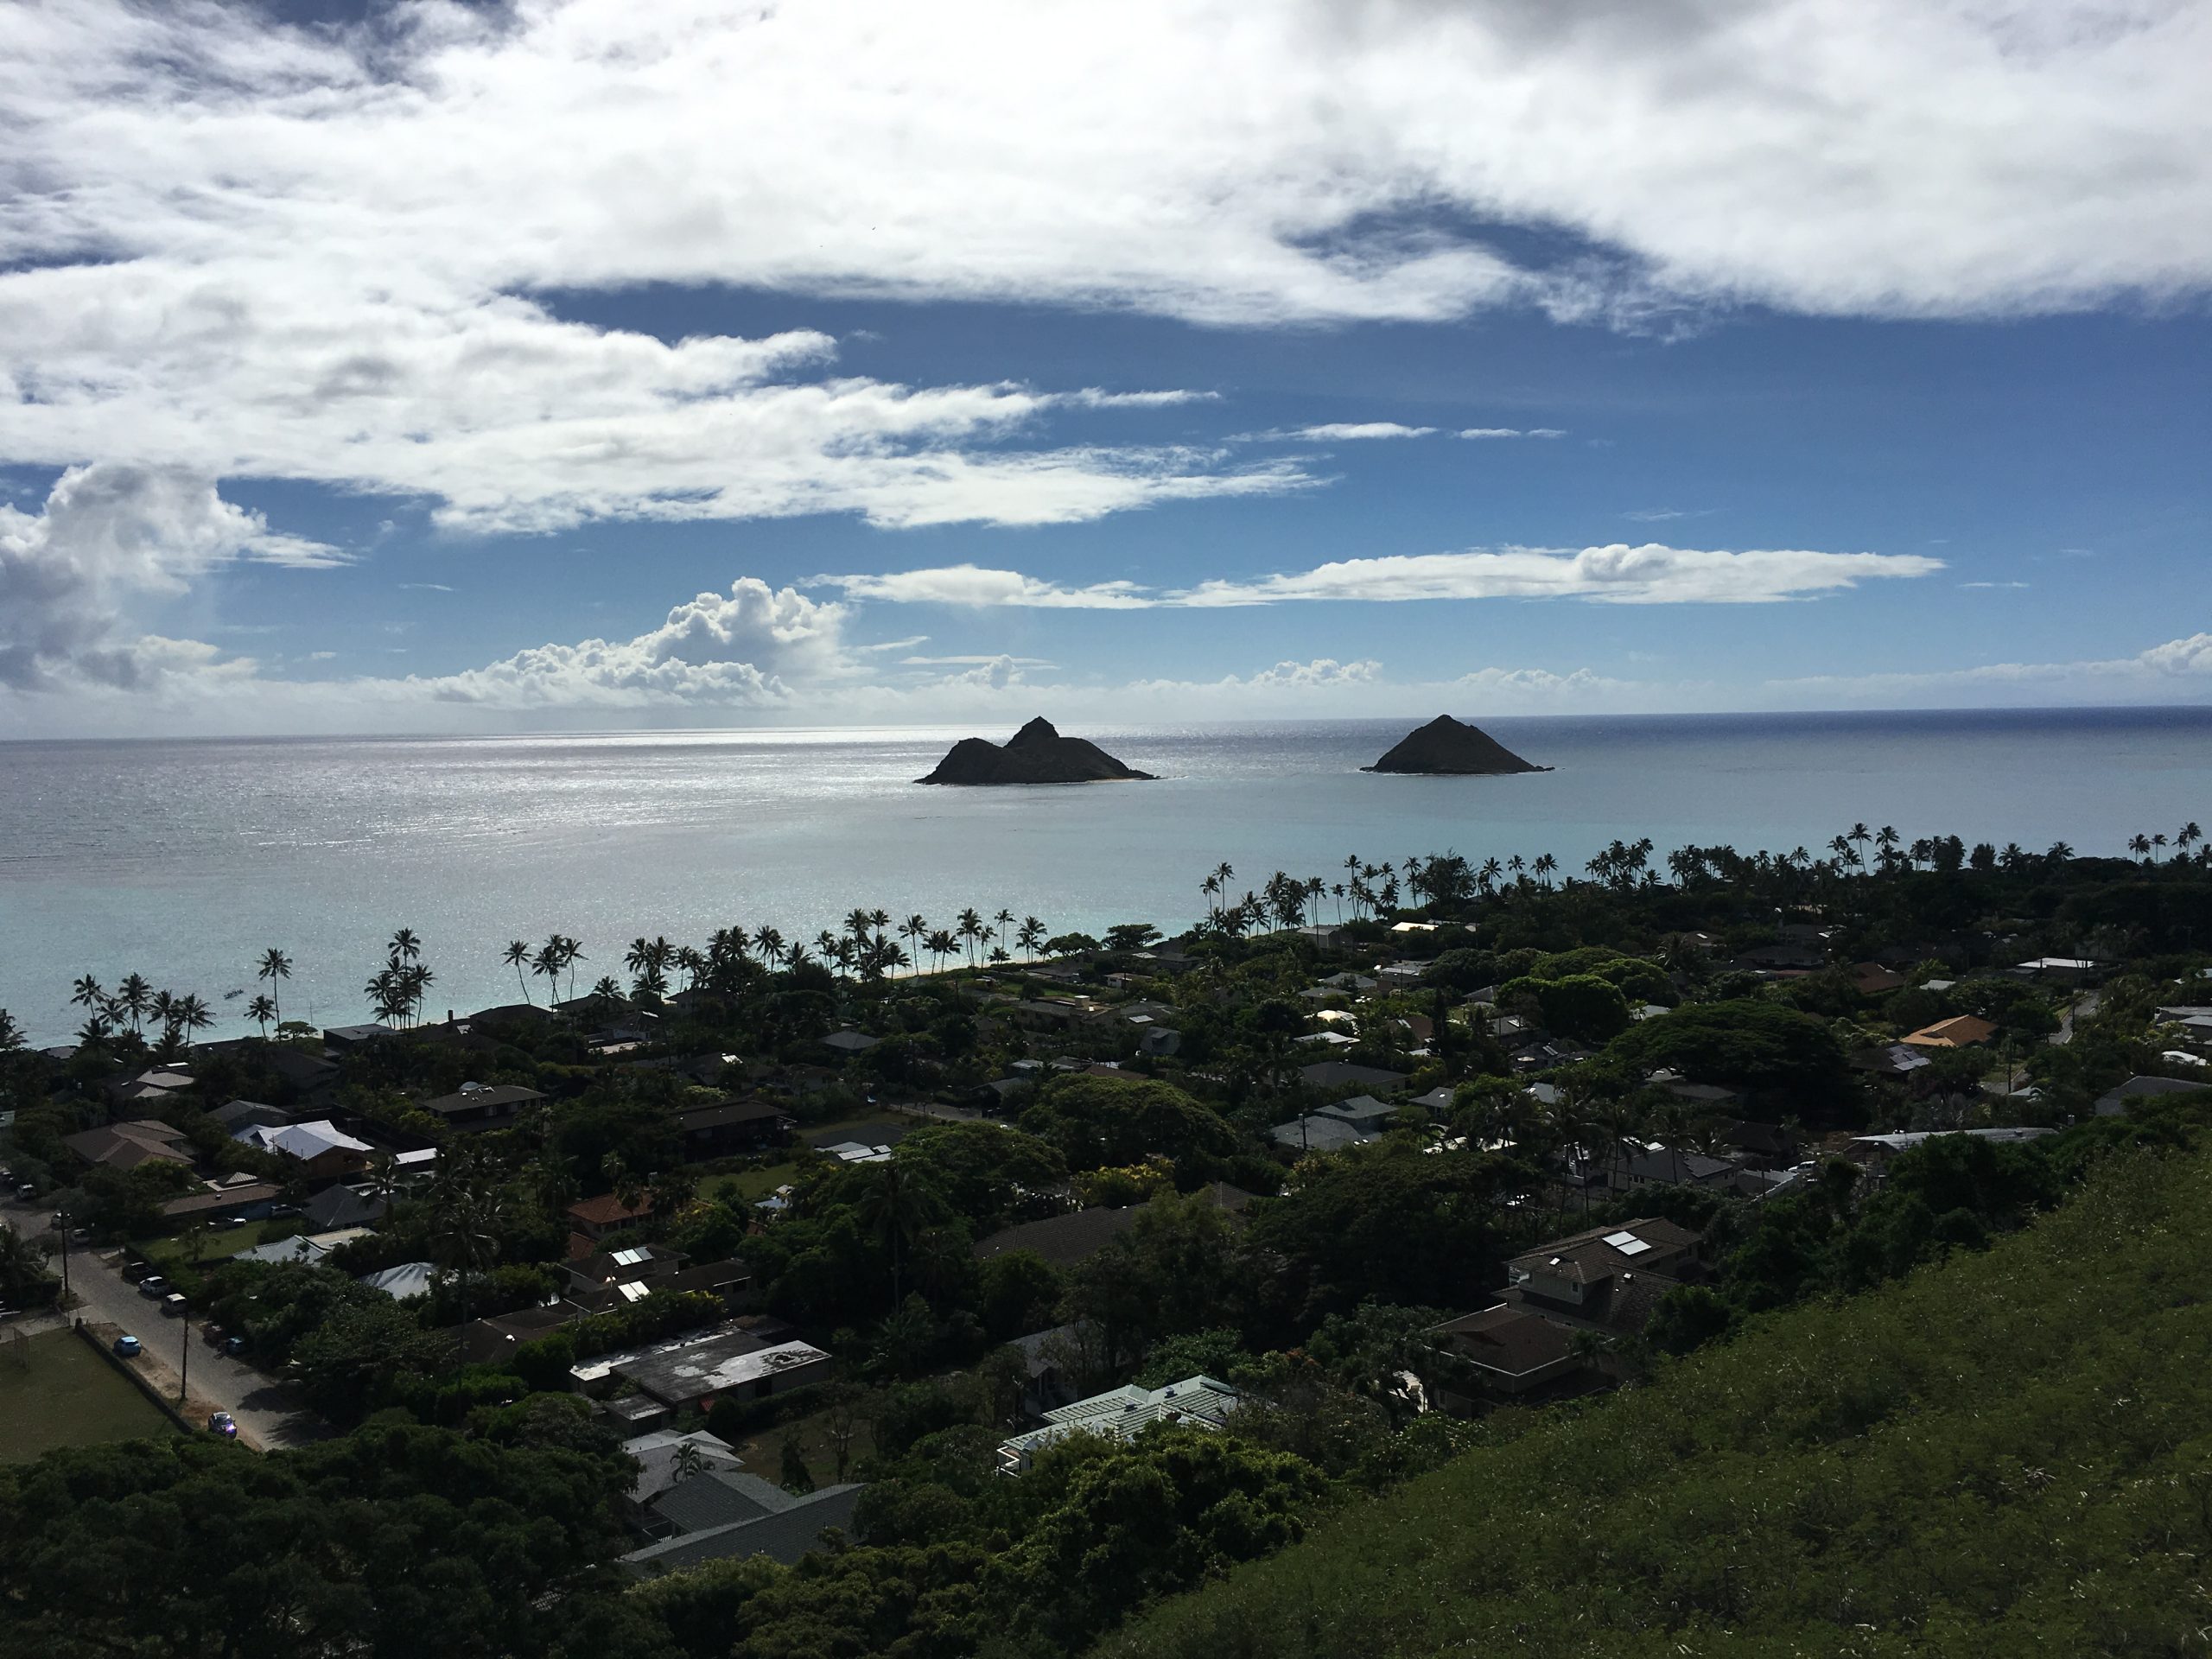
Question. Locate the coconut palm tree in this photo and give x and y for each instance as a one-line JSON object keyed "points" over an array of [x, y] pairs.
{"points": [[2139, 845], [893, 1208], [405, 945], [274, 966], [465, 1211], [768, 945], [133, 996], [1030, 937], [2188, 837], [260, 1011], [941, 945], [87, 994], [548, 963], [1544, 864], [192, 1014], [969, 926], [517, 956], [11, 1035], [914, 931]]}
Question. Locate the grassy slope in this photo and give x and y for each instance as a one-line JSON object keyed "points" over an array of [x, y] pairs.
{"points": [[2008, 1454]]}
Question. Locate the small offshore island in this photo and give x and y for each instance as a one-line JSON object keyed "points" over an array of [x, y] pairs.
{"points": [[1449, 748], [1035, 754]]}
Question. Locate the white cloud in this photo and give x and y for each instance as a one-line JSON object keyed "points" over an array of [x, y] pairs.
{"points": [[1512, 432], [2157, 670], [1651, 574], [753, 648], [80, 578], [1350, 432]]}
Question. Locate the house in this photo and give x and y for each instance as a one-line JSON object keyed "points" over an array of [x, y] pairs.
{"points": [[2115, 1102], [2066, 970], [1438, 1101], [1161, 1042], [1343, 1074], [1894, 1061], [1709, 1096], [1607, 1278], [1963, 1031], [342, 1206], [1871, 979], [128, 1145], [1049, 1354], [1769, 1145], [722, 1515], [239, 1197], [612, 1279], [1669, 1167], [478, 1106], [1316, 1133], [737, 1363], [409, 1279], [307, 1072], [850, 1043], [251, 1113], [1064, 1241], [734, 1129], [306, 1248], [596, 1217], [1503, 1350], [344, 1038], [661, 1458], [326, 1153], [1123, 1413], [1782, 956], [1874, 1152]]}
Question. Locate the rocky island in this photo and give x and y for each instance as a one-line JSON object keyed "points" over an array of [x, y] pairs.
{"points": [[1451, 748], [1035, 754]]}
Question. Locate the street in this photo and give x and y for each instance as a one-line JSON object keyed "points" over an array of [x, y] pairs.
{"points": [[267, 1416]]}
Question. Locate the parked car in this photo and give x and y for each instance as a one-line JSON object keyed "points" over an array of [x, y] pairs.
{"points": [[234, 1346], [26, 1192], [219, 1422], [173, 1304], [128, 1347], [153, 1286], [134, 1269]]}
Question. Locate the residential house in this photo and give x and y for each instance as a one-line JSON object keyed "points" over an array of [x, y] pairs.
{"points": [[342, 1206], [344, 1038], [1894, 1061], [1064, 1241], [479, 1106], [1123, 1413], [1762, 1146], [239, 1197], [1606, 1279], [737, 1128], [594, 1219], [127, 1145], [723, 1515], [306, 1249], [1668, 1166], [251, 1114], [1962, 1030], [1875, 1152], [2066, 970], [661, 1459], [325, 1151], [1316, 1133], [1871, 979], [850, 1043], [2114, 1102], [1502, 1350], [409, 1279], [736, 1363], [611, 1279]]}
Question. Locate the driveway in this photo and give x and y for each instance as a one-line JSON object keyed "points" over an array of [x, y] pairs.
{"points": [[268, 1416]]}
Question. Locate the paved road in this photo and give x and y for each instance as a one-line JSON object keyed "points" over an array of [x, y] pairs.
{"points": [[267, 1415], [2082, 1010]]}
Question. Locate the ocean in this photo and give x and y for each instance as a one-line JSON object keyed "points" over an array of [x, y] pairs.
{"points": [[183, 860]]}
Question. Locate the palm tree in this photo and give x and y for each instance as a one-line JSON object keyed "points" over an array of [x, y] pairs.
{"points": [[1209, 888], [768, 941], [1860, 836], [384, 1179], [192, 1015], [518, 958], [93, 1034], [465, 1214], [133, 997], [2139, 845], [2188, 837], [11, 1035], [572, 952], [893, 1208], [969, 926], [548, 962], [274, 966], [914, 931], [1544, 865], [404, 946], [941, 945], [260, 1011], [87, 994], [1032, 936], [1005, 920]]}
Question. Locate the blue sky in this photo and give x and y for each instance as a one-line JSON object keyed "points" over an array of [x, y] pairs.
{"points": [[810, 376]]}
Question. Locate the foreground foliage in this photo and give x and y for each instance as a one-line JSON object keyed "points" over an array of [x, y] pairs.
{"points": [[2010, 1452]]}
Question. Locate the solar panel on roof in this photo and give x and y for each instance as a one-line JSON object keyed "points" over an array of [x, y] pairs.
{"points": [[631, 1255], [632, 1292], [1627, 1243]]}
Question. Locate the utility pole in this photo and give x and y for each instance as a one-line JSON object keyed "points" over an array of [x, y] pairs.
{"points": [[64, 1214], [184, 1362]]}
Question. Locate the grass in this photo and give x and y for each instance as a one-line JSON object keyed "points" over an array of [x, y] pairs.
{"points": [[174, 1256], [749, 1186], [54, 1391], [762, 1451]]}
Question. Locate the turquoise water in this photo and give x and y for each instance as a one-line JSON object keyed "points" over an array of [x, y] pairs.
{"points": [[181, 860]]}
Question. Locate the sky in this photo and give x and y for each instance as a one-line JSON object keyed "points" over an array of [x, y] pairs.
{"points": [[576, 364]]}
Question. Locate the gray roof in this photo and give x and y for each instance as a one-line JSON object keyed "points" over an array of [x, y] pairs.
{"points": [[2135, 1088], [720, 1497], [785, 1537], [1343, 1074], [341, 1206], [1319, 1133], [1061, 1240]]}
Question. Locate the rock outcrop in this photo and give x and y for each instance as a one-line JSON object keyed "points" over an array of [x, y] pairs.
{"points": [[1035, 754], [1448, 747]]}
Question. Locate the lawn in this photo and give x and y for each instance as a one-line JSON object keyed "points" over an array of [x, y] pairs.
{"points": [[56, 1391], [749, 1186]]}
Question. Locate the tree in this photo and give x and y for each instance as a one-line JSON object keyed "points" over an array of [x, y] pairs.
{"points": [[260, 1011], [895, 1206], [275, 967], [517, 956], [1100, 1122]]}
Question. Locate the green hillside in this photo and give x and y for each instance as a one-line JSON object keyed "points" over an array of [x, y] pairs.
{"points": [[2010, 1453]]}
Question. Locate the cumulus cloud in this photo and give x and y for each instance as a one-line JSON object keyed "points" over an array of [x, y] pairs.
{"points": [[79, 578], [1650, 575], [754, 647]]}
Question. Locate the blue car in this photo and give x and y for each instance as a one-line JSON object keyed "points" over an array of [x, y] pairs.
{"points": [[219, 1422], [128, 1347]]}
